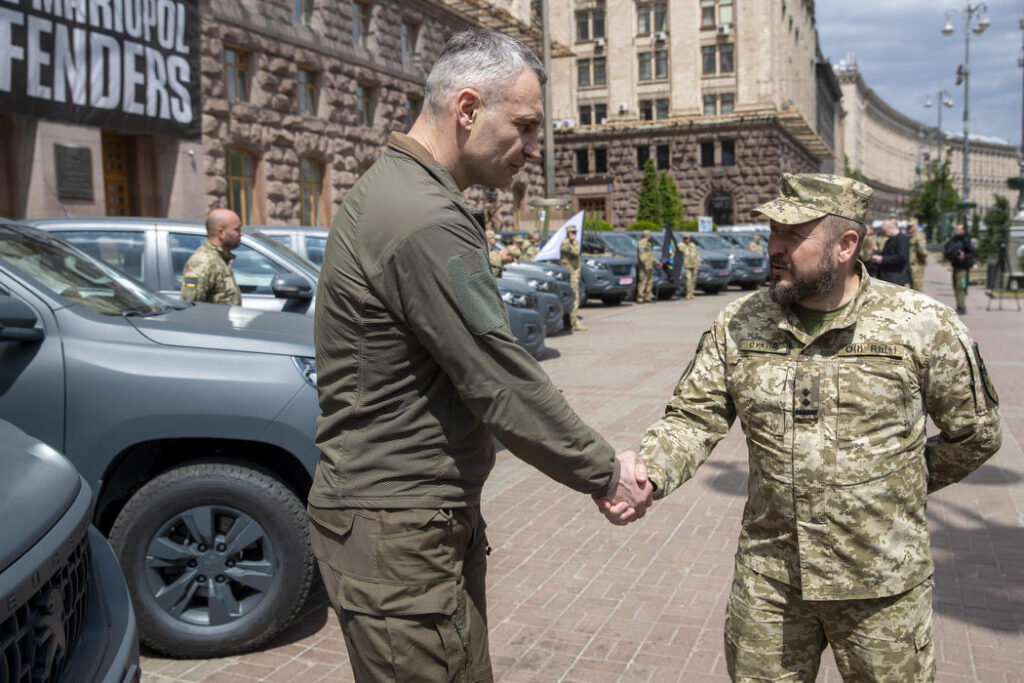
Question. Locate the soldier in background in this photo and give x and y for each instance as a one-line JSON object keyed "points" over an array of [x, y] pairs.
{"points": [[495, 256], [755, 245], [531, 250], [516, 250], [918, 254], [833, 397], [570, 258], [645, 269], [691, 263], [207, 274]]}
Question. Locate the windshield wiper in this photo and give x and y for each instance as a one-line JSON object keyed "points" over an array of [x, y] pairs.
{"points": [[134, 312]]}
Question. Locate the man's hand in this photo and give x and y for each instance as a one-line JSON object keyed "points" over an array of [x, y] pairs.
{"points": [[633, 494], [876, 258], [506, 256]]}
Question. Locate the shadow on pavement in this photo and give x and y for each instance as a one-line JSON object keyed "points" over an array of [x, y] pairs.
{"points": [[549, 354], [729, 477]]}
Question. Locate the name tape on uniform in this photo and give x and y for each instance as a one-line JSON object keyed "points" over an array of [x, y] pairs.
{"points": [[762, 346]]}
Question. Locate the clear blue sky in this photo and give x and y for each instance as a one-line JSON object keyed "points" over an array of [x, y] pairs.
{"points": [[903, 56]]}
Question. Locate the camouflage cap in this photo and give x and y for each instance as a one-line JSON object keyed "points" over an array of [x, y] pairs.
{"points": [[489, 234], [647, 233], [517, 238], [807, 196], [572, 229]]}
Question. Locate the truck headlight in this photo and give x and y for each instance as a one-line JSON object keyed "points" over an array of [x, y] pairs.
{"points": [[516, 300], [307, 368], [599, 265]]}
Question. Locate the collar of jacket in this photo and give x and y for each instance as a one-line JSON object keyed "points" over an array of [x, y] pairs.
{"points": [[404, 144], [788, 321], [221, 251]]}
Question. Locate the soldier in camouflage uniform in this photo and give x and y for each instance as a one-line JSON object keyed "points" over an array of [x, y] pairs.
{"points": [[832, 375], [570, 258], [755, 245], [645, 269], [691, 263], [531, 250], [207, 274], [516, 250], [496, 257], [918, 255]]}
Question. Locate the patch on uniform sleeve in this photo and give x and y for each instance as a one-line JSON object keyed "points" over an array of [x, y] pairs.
{"points": [[476, 292], [191, 283], [986, 381], [689, 368]]}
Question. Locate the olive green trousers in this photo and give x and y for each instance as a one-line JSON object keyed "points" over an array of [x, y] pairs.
{"points": [[408, 587]]}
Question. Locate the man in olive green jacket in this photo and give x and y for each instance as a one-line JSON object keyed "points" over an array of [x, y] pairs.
{"points": [[418, 372]]}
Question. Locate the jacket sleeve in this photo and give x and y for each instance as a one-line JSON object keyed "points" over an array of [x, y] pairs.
{"points": [[195, 282], [437, 281], [920, 250], [963, 403], [697, 417], [898, 255]]}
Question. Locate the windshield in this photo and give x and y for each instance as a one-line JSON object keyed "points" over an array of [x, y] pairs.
{"points": [[281, 249], [621, 243], [74, 275], [709, 241]]}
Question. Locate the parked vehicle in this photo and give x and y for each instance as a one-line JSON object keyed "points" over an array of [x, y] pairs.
{"points": [[714, 273], [742, 271], [664, 287], [307, 241], [193, 424], [756, 262], [524, 320], [66, 614], [558, 274], [545, 290]]}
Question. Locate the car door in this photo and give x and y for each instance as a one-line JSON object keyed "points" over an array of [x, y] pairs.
{"points": [[130, 250], [254, 271]]}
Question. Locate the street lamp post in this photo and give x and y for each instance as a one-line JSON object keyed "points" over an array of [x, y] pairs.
{"points": [[1020, 154], [981, 23], [943, 99]]}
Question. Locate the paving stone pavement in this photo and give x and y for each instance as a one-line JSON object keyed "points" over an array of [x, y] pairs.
{"points": [[572, 598]]}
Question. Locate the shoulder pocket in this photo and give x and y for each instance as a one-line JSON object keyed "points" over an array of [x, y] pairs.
{"points": [[476, 292]]}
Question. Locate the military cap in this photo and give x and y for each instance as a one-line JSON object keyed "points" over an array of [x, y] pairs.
{"points": [[489, 234], [517, 238], [647, 233], [571, 228], [807, 196]]}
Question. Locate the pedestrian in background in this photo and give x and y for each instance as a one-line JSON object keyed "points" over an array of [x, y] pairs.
{"points": [[570, 258], [532, 248], [496, 257], [516, 250], [893, 260], [918, 254], [755, 245], [418, 374], [691, 264], [645, 269], [960, 253], [833, 375], [207, 274]]}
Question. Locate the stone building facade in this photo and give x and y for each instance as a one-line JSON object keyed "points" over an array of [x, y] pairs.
{"points": [[733, 94]]}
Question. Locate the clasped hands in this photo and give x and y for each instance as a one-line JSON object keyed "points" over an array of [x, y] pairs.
{"points": [[633, 493]]}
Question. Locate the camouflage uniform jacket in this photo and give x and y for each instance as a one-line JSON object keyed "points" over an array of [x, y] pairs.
{"points": [[918, 249], [494, 258], [645, 254], [691, 255], [530, 251], [207, 276], [835, 430], [516, 253], [756, 247], [570, 256]]}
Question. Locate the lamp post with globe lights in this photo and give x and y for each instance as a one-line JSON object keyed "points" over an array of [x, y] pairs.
{"points": [[942, 99], [975, 19]]}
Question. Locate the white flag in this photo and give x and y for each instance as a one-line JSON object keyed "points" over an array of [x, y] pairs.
{"points": [[552, 249]]}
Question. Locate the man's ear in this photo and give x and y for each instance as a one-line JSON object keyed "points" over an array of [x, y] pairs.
{"points": [[467, 103], [849, 244]]}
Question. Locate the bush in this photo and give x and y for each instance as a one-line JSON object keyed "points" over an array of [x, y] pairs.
{"points": [[591, 224], [689, 226], [640, 226]]}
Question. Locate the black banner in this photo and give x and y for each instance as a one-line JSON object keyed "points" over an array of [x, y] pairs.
{"points": [[117, 64]]}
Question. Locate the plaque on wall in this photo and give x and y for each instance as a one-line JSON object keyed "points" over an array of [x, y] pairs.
{"points": [[74, 172]]}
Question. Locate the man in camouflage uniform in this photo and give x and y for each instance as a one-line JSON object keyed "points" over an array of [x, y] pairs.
{"points": [[495, 256], [516, 250], [755, 245], [691, 264], [207, 274], [918, 254], [531, 250], [645, 269], [570, 258], [832, 375]]}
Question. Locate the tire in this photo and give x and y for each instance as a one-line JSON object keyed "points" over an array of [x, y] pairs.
{"points": [[174, 539], [749, 285], [711, 290], [613, 299]]}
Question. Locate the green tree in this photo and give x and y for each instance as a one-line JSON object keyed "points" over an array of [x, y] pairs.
{"points": [[997, 220], [851, 172], [922, 199], [594, 223], [649, 201], [672, 211]]}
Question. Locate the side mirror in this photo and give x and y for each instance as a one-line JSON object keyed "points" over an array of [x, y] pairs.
{"points": [[17, 321], [292, 286]]}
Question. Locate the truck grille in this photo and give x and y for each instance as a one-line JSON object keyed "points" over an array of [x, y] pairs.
{"points": [[620, 270], [753, 261], [718, 263], [37, 638]]}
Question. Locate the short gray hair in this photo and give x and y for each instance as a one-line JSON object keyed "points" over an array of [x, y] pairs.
{"points": [[486, 61]]}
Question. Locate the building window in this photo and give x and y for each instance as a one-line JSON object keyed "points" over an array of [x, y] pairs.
{"points": [[601, 113], [360, 23], [663, 156], [582, 162], [710, 105], [725, 11], [719, 104], [725, 62], [585, 110], [719, 207], [583, 72], [311, 183], [708, 58], [642, 155], [728, 152], [593, 114], [650, 18], [240, 184], [707, 154], [303, 10], [661, 108], [236, 74], [644, 63], [591, 71], [600, 160], [589, 24], [646, 110], [413, 106], [725, 103], [661, 64], [408, 42], [708, 11], [364, 106], [599, 73], [307, 92]]}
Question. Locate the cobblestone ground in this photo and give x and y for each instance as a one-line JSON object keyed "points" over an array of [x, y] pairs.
{"points": [[572, 598]]}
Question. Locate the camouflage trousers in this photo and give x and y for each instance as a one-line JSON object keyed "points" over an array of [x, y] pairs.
{"points": [[691, 283], [772, 634], [645, 285], [408, 589], [574, 281], [917, 278]]}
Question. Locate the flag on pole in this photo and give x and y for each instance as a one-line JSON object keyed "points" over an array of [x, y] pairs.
{"points": [[671, 259], [552, 249]]}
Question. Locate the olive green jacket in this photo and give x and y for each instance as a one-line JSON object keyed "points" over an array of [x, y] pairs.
{"points": [[840, 466], [418, 371]]}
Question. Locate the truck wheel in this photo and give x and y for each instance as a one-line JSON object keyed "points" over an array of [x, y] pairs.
{"points": [[216, 556], [711, 290], [612, 299]]}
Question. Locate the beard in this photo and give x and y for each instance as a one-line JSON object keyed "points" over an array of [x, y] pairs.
{"points": [[805, 286]]}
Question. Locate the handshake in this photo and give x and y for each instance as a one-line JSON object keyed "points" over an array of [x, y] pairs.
{"points": [[633, 494]]}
